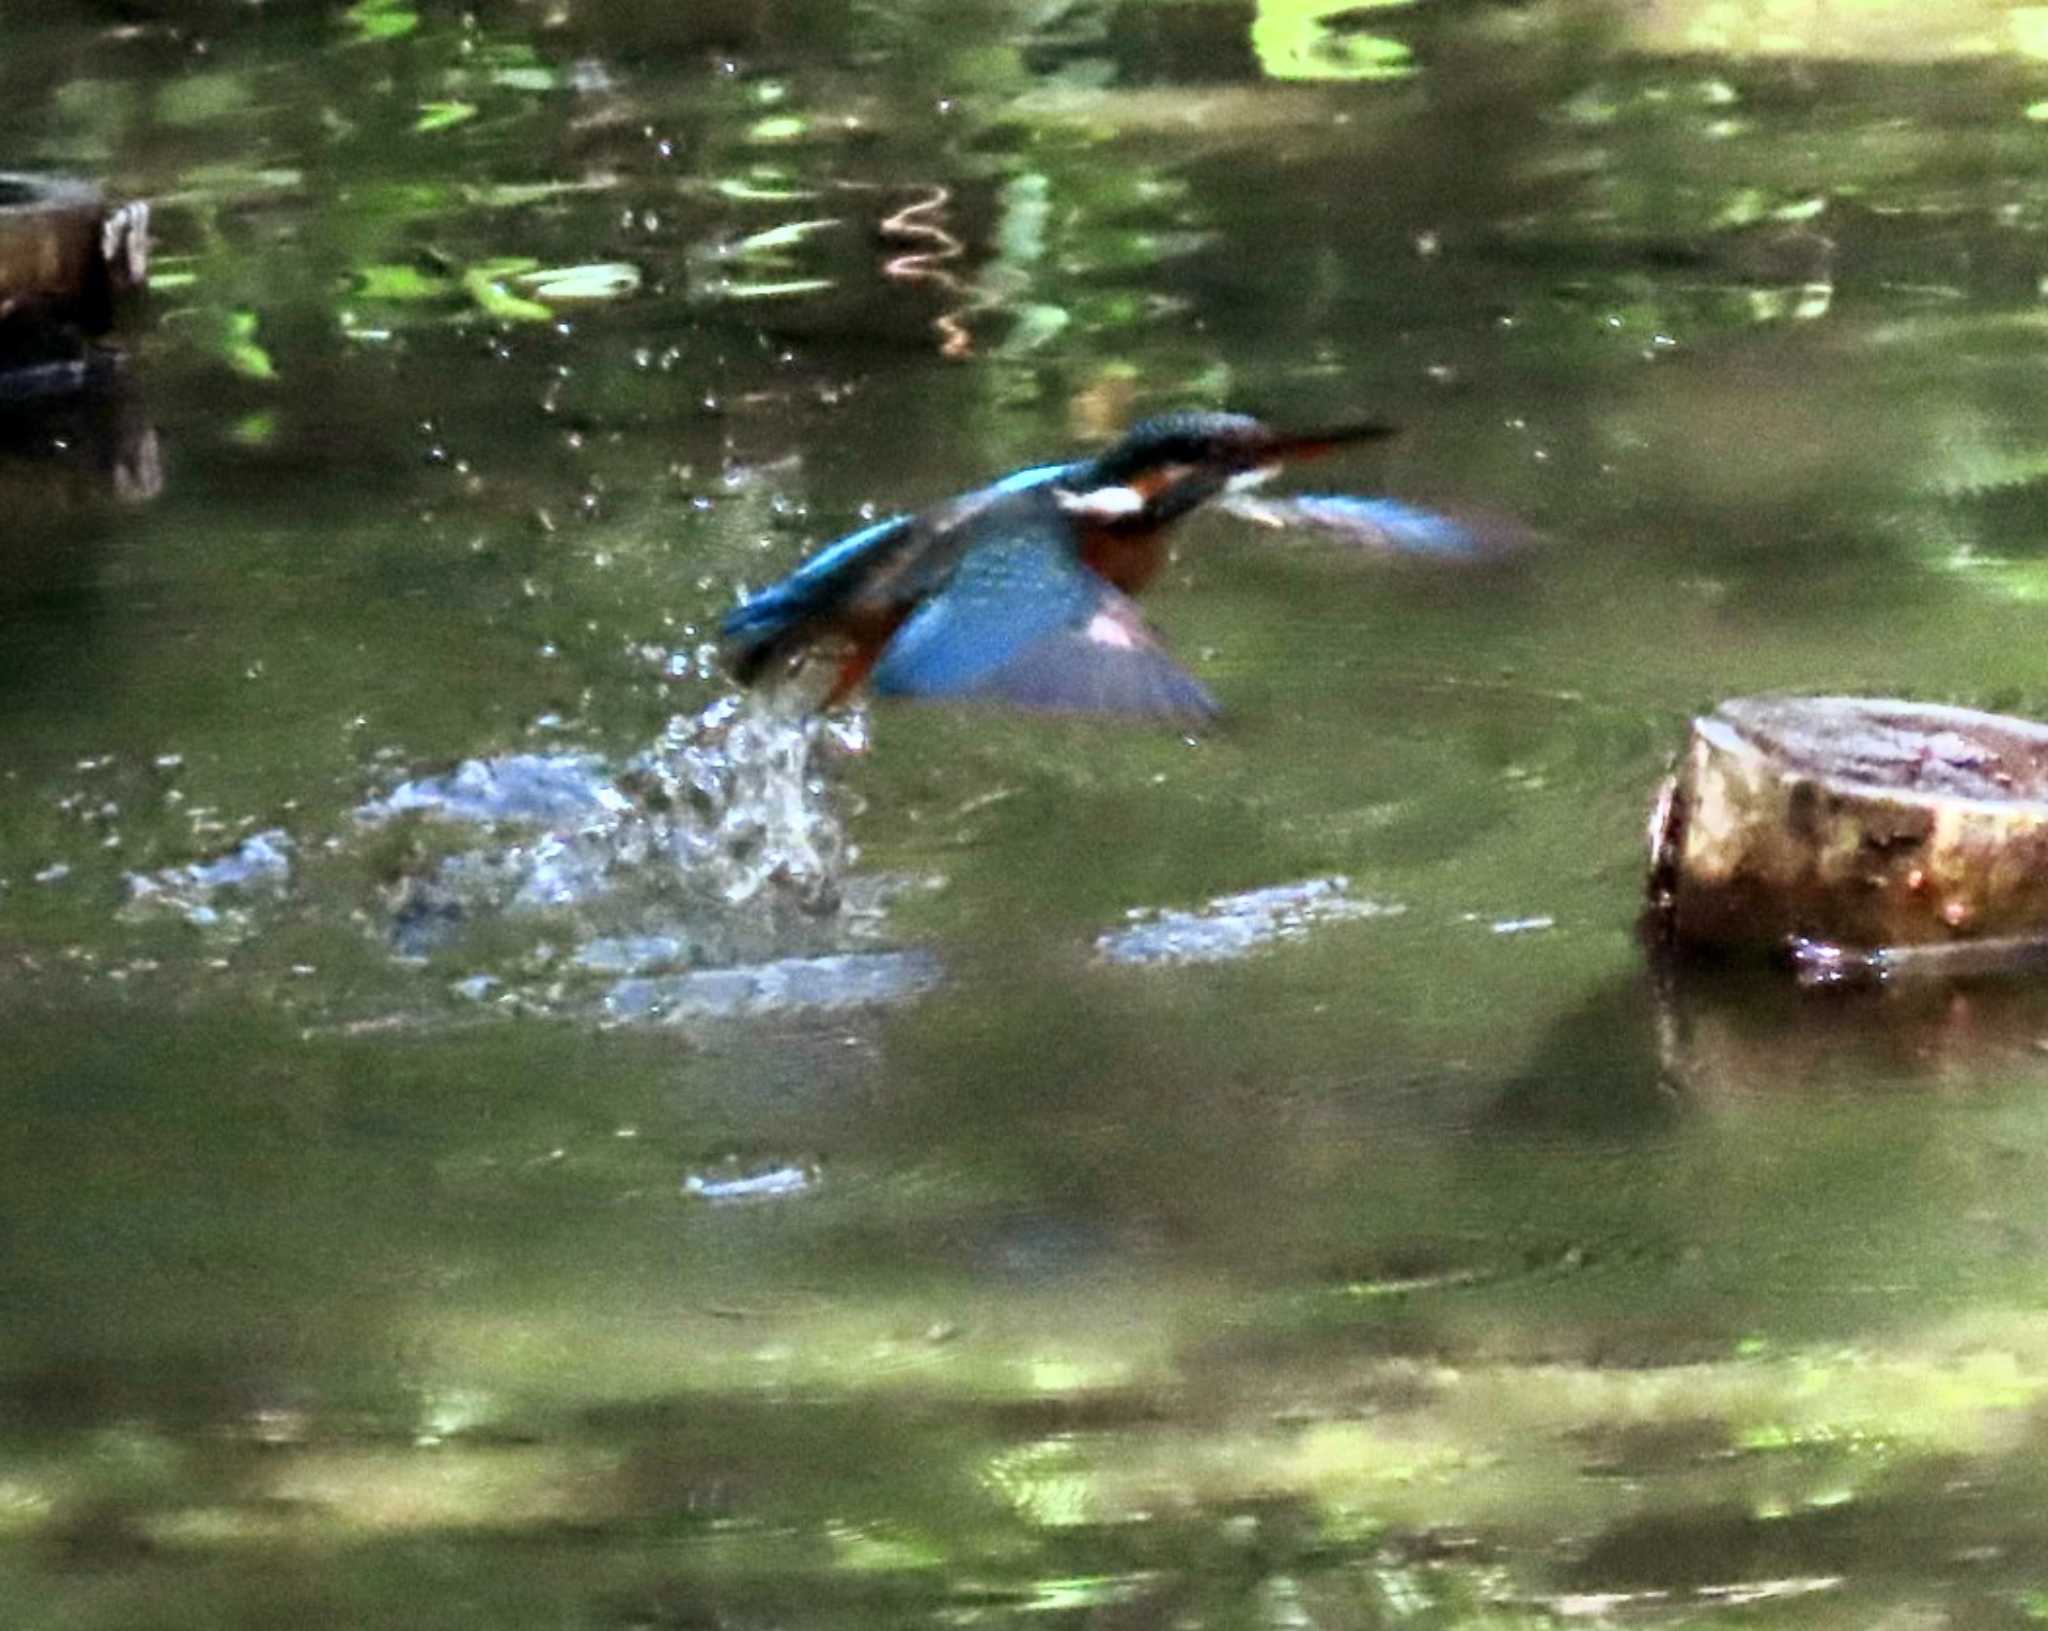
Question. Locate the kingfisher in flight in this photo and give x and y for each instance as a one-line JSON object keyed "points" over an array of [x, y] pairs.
{"points": [[1020, 592]]}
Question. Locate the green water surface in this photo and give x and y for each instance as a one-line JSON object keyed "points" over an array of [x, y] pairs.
{"points": [[1431, 1267]]}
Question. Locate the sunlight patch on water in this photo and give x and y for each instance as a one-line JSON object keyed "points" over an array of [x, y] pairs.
{"points": [[451, 1411], [1047, 1482], [23, 1506], [881, 1549], [1070, 1592]]}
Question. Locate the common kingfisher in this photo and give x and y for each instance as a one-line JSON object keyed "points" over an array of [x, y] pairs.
{"points": [[1019, 592]]}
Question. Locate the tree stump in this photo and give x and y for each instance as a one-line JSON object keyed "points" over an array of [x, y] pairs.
{"points": [[1854, 823], [66, 262]]}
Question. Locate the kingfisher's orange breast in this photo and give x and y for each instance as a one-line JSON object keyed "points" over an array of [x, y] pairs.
{"points": [[1128, 560]]}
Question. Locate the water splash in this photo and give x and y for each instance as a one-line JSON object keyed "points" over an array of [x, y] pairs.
{"points": [[206, 893], [746, 806], [722, 842]]}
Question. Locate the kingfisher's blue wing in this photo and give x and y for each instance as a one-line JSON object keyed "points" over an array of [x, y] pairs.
{"points": [[1384, 525], [816, 585], [844, 568], [1022, 621], [1032, 475]]}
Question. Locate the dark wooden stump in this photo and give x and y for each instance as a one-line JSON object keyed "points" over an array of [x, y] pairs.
{"points": [[66, 263], [65, 258]]}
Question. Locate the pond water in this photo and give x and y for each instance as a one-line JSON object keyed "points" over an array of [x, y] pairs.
{"points": [[501, 1135]]}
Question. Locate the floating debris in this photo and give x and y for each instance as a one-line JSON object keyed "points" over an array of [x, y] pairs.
{"points": [[1232, 925]]}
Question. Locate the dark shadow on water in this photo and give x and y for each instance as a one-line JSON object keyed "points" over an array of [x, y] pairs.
{"points": [[74, 471], [1690, 1036], [1595, 1078]]}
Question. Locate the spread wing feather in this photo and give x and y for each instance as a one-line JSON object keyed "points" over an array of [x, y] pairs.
{"points": [[1022, 621]]}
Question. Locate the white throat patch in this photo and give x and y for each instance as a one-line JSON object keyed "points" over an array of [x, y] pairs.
{"points": [[1102, 503]]}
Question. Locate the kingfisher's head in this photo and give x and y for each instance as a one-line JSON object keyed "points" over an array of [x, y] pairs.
{"points": [[1165, 467]]}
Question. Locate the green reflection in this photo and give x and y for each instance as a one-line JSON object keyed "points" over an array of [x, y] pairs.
{"points": [[382, 19], [1320, 39]]}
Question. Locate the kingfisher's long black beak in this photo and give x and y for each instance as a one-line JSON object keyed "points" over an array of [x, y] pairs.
{"points": [[1282, 448], [1313, 444], [1138, 489]]}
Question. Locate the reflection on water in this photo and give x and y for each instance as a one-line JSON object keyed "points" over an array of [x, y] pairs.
{"points": [[683, 1166]]}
